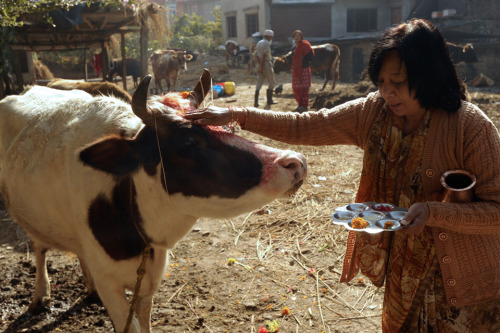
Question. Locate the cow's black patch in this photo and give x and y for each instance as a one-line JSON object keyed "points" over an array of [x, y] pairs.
{"points": [[115, 221], [197, 163]]}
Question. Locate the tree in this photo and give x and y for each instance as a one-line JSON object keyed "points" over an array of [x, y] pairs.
{"points": [[192, 32], [13, 11]]}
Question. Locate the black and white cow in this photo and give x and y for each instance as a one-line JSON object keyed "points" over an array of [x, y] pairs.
{"points": [[103, 178]]}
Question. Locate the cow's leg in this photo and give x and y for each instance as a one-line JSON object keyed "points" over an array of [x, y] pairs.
{"points": [[174, 83], [168, 83], [159, 88], [41, 298], [324, 84], [88, 280], [143, 311], [334, 82]]}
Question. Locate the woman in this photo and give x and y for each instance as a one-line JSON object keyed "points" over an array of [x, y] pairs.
{"points": [[442, 269], [302, 54]]}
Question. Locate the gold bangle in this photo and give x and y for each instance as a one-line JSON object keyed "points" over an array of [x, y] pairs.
{"points": [[246, 118], [232, 110]]}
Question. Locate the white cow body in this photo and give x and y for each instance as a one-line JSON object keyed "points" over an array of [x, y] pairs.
{"points": [[48, 190]]}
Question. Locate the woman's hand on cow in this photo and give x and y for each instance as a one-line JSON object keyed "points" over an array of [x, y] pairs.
{"points": [[212, 115], [414, 221]]}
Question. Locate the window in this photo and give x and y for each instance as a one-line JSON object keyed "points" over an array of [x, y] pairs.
{"points": [[252, 24], [231, 26], [361, 20]]}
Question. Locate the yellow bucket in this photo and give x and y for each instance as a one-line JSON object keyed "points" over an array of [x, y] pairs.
{"points": [[229, 88]]}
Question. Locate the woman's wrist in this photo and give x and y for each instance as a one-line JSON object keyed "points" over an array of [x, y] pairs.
{"points": [[238, 115]]}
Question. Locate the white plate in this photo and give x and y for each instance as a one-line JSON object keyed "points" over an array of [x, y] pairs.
{"points": [[376, 219]]}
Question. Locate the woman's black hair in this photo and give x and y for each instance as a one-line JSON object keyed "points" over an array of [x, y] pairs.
{"points": [[431, 72]]}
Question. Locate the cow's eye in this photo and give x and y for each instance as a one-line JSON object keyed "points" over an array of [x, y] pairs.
{"points": [[188, 142]]}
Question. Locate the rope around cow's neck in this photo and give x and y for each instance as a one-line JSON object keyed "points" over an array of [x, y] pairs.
{"points": [[141, 270]]}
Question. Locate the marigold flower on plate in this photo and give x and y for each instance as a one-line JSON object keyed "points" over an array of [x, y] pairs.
{"points": [[231, 261]]}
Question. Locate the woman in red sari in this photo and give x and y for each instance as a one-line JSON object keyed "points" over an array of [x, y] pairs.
{"points": [[302, 54]]}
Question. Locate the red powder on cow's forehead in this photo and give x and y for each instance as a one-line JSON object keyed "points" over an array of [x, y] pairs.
{"points": [[181, 103], [178, 101]]}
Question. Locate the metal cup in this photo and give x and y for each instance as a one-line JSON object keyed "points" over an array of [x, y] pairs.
{"points": [[458, 186]]}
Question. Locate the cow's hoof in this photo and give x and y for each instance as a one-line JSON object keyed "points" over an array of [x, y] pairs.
{"points": [[40, 306], [93, 298]]}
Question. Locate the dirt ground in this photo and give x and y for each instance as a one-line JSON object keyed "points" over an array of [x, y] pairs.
{"points": [[287, 254]]}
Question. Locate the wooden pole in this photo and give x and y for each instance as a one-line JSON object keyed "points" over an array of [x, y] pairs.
{"points": [[124, 66], [105, 61], [144, 48], [85, 65]]}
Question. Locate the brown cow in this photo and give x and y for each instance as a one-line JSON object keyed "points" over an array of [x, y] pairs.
{"points": [[326, 59], [166, 65], [232, 52], [93, 88]]}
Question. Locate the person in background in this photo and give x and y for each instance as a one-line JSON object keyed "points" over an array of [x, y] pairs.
{"points": [[441, 270], [302, 54], [265, 70]]}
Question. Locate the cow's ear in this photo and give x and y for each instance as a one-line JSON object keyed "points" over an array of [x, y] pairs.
{"points": [[115, 155], [189, 57]]}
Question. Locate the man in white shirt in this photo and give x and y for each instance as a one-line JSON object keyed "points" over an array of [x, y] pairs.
{"points": [[265, 71]]}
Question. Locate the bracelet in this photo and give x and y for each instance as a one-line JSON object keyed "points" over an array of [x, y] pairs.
{"points": [[232, 110], [245, 111]]}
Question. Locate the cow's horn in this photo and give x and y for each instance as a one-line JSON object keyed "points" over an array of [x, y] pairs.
{"points": [[139, 100], [202, 88]]}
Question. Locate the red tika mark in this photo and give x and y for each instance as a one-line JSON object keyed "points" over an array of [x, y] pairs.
{"points": [[178, 101]]}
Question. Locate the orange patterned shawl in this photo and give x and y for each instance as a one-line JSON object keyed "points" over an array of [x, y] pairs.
{"points": [[392, 170]]}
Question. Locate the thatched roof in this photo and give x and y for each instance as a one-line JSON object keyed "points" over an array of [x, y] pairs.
{"points": [[80, 27]]}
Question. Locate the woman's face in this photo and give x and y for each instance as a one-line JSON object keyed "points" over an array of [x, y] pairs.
{"points": [[297, 38], [393, 86]]}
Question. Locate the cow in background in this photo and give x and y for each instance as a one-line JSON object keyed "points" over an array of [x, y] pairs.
{"points": [[167, 65], [459, 53], [93, 88], [42, 71], [133, 68], [326, 60], [252, 61], [114, 182], [232, 52]]}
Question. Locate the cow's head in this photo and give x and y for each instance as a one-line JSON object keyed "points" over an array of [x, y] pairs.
{"points": [[282, 64], [182, 58], [200, 168]]}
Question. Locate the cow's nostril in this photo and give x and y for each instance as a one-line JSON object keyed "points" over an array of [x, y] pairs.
{"points": [[295, 164]]}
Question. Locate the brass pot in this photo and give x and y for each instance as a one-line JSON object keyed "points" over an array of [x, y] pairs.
{"points": [[458, 186]]}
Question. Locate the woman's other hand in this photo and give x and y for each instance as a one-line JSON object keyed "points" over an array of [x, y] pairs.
{"points": [[414, 221], [212, 115]]}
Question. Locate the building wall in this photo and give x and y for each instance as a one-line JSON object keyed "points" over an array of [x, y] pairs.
{"points": [[240, 9]]}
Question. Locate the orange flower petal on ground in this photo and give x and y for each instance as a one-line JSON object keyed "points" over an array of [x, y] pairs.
{"points": [[285, 311]]}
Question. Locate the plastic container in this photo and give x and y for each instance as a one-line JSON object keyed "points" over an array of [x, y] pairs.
{"points": [[218, 89], [229, 88]]}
